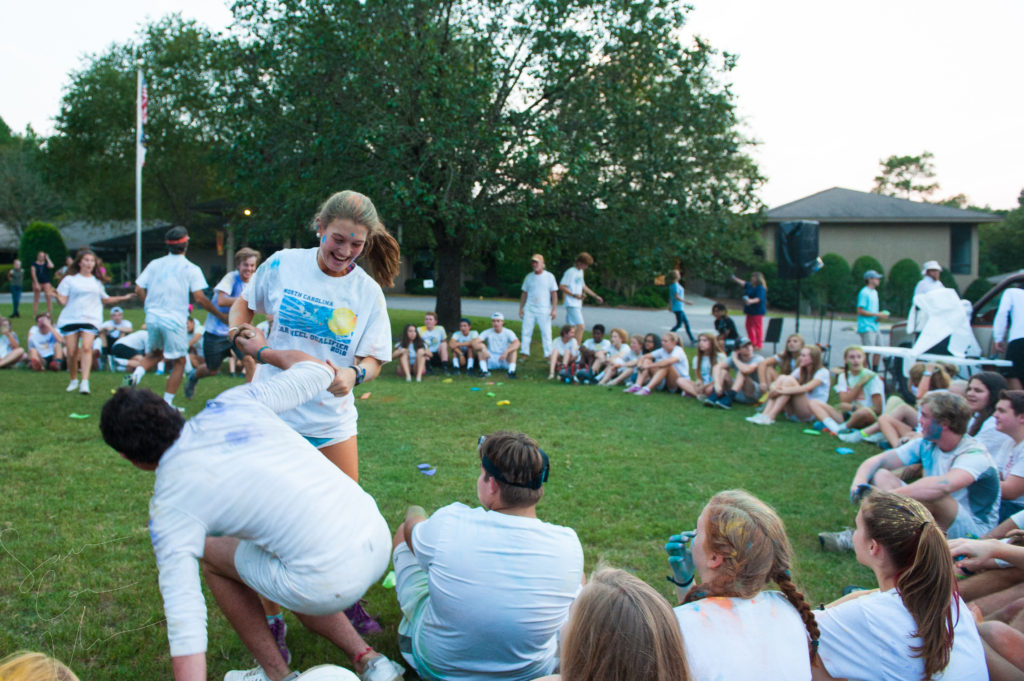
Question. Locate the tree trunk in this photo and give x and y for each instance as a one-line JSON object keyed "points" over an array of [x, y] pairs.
{"points": [[449, 279]]}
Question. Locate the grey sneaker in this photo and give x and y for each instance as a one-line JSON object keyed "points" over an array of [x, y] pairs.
{"points": [[381, 668], [836, 542], [190, 385]]}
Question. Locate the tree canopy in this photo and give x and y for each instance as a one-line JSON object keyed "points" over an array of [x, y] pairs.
{"points": [[25, 194], [483, 130], [904, 176]]}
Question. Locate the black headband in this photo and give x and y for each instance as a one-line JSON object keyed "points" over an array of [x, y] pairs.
{"points": [[493, 471]]}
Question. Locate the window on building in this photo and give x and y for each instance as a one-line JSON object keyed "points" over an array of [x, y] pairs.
{"points": [[960, 249]]}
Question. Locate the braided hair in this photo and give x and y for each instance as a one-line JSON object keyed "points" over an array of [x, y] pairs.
{"points": [[751, 538]]}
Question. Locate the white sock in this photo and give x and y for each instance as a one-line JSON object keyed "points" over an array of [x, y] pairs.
{"points": [[169, 398], [455, 362], [832, 424], [512, 367], [138, 374], [469, 363]]}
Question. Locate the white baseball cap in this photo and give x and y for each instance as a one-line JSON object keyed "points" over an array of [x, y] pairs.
{"points": [[931, 265], [498, 315]]}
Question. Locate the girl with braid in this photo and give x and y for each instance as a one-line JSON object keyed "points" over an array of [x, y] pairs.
{"points": [[914, 625], [733, 630]]}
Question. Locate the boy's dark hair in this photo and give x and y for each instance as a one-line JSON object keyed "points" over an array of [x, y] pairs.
{"points": [[518, 458], [718, 307], [467, 321], [598, 327], [140, 425], [1015, 398], [176, 239]]}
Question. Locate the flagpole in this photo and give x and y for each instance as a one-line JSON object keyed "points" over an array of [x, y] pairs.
{"points": [[139, 160]]}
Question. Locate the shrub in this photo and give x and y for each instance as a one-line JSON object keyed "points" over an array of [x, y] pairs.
{"points": [[486, 291], [899, 286], [42, 236], [832, 285], [947, 279], [781, 292], [862, 265], [650, 296], [977, 289], [414, 285], [4, 284], [471, 287]]}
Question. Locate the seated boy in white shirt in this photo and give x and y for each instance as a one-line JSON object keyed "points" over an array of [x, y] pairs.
{"points": [[484, 591]]}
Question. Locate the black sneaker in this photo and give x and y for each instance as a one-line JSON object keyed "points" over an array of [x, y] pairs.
{"points": [[483, 373], [512, 375], [724, 402], [712, 400]]}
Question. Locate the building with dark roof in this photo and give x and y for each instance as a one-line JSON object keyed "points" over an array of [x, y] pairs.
{"points": [[889, 229]]}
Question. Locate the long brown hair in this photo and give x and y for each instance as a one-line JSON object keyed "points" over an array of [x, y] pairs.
{"points": [[925, 581], [381, 249], [787, 359], [621, 629], [751, 538], [995, 384], [75, 267], [807, 373], [713, 351]]}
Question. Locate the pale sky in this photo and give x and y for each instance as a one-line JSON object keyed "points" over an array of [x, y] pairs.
{"points": [[827, 88]]}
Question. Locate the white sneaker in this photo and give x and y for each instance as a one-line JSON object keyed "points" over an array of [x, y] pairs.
{"points": [[83, 387], [255, 674], [136, 376], [381, 668], [852, 437], [72, 386]]}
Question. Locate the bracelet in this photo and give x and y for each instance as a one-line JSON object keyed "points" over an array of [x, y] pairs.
{"points": [[369, 649], [360, 373], [233, 328], [260, 352]]}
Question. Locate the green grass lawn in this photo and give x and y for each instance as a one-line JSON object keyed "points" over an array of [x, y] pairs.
{"points": [[77, 573]]}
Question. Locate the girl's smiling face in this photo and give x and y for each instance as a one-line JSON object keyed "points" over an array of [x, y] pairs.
{"points": [[805, 357], [87, 264], [977, 395], [668, 342], [341, 242]]}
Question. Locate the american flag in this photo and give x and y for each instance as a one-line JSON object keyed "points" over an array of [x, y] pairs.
{"points": [[143, 110]]}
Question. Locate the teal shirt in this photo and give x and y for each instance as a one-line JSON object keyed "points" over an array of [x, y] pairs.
{"points": [[868, 300]]}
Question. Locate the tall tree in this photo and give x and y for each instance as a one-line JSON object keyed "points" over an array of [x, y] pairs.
{"points": [[25, 195], [482, 127], [905, 176], [92, 153], [1001, 244]]}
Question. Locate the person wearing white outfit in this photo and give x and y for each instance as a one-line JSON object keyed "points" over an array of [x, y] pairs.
{"points": [[930, 272], [1008, 333], [537, 305], [206, 510], [165, 287]]}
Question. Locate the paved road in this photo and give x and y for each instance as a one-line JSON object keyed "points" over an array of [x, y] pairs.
{"points": [[636, 320]]}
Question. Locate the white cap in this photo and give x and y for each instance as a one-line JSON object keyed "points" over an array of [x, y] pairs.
{"points": [[498, 315], [931, 265]]}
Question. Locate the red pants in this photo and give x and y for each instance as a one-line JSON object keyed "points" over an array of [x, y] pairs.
{"points": [[755, 331]]}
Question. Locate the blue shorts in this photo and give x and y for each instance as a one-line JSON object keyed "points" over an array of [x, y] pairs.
{"points": [[574, 316]]}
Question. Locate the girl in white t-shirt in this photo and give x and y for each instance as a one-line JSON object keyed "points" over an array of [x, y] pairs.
{"points": [[621, 629], [620, 367], [861, 395], [410, 351], [709, 353], [782, 364], [792, 394], [982, 395], [666, 364], [732, 630], [915, 625], [564, 351], [326, 305], [82, 295], [899, 422]]}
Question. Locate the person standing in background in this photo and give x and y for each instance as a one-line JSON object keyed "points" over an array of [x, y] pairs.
{"points": [[1008, 334], [930, 272], [538, 305], [15, 276], [868, 314], [42, 275], [575, 290], [755, 306], [675, 303]]}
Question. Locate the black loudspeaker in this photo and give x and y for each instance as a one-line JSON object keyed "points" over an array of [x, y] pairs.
{"points": [[796, 248]]}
